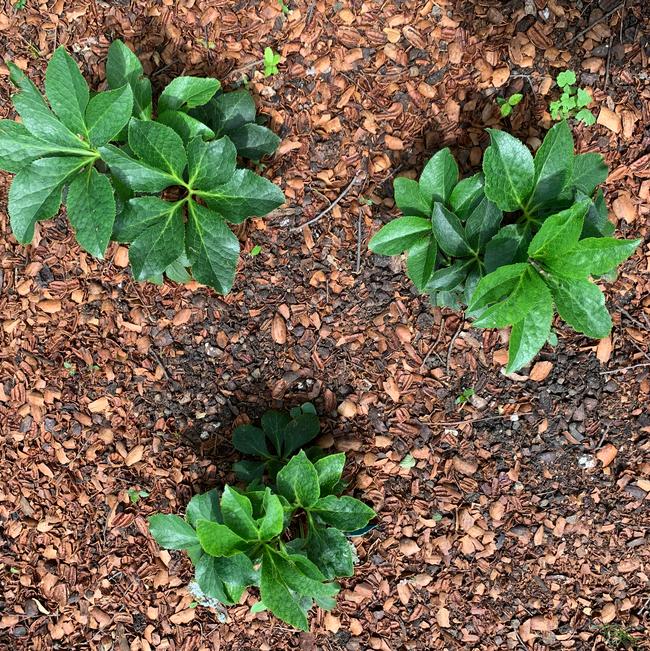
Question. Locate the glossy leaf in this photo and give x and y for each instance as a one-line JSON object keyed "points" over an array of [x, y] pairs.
{"points": [[135, 174], [409, 198], [298, 481], [329, 470], [399, 235], [559, 233], [508, 246], [204, 506], [158, 146], [254, 141], [250, 440], [421, 261], [466, 195], [449, 232], [237, 513], [589, 171], [482, 224], [439, 177], [185, 126], [218, 539], [528, 336], [210, 163], [107, 114], [18, 147], [345, 513], [331, 551], [172, 532], [187, 93]]}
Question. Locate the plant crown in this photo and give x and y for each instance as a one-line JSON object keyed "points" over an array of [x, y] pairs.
{"points": [[513, 243], [167, 186], [290, 539]]}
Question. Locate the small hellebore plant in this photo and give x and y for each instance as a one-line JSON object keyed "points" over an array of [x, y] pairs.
{"points": [[290, 540], [515, 243], [167, 186]]}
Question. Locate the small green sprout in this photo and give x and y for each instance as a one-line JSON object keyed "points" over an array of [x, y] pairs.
{"points": [[573, 102], [408, 461], [271, 60], [256, 250], [508, 104], [284, 8], [71, 367], [19, 4], [617, 636], [466, 394], [135, 495]]}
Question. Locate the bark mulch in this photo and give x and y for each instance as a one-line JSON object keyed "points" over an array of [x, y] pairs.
{"points": [[518, 519]]}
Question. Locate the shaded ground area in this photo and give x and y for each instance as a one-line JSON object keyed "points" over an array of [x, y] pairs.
{"points": [[524, 519]]}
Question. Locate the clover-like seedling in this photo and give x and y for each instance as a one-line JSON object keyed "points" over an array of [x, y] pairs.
{"points": [[168, 186], [279, 436], [289, 542], [507, 104], [573, 102], [515, 243], [271, 60]]}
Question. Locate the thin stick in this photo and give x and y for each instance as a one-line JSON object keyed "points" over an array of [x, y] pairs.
{"points": [[322, 214], [358, 265], [453, 341], [598, 20], [624, 368], [475, 420], [609, 57]]}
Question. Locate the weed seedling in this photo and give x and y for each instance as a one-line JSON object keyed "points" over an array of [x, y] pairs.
{"points": [[573, 102], [271, 60], [507, 104], [71, 367], [284, 8], [466, 394], [135, 495], [256, 250]]}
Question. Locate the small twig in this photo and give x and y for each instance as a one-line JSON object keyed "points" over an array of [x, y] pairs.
{"points": [[248, 66], [475, 420], [322, 214], [624, 368], [453, 341], [433, 345], [609, 57], [631, 318], [358, 265], [598, 20]]}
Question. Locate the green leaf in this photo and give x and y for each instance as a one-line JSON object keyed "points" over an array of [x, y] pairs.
{"points": [[399, 235], [298, 481], [204, 506], [212, 248], [597, 222], [67, 90], [24, 83], [529, 335], [250, 440], [177, 273], [139, 214], [249, 471], [507, 247], [448, 278], [331, 551], [187, 92], [244, 195], [583, 98], [107, 114], [210, 163], [171, 531], [589, 171], [225, 578], [506, 110], [566, 78], [35, 193], [298, 432], [509, 171], [124, 67], [449, 232], [553, 164], [227, 112], [160, 244], [345, 513], [586, 117], [329, 470], [217, 539], [136, 175], [208, 576], [158, 146], [497, 285], [482, 224], [91, 210], [274, 423], [467, 194], [409, 198], [254, 141], [582, 305], [515, 98], [237, 513], [559, 233], [18, 147], [439, 177], [421, 261], [593, 256], [277, 597], [185, 126], [272, 524]]}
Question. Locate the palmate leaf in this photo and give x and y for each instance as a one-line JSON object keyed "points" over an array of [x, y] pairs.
{"points": [[107, 114], [158, 146], [136, 175], [18, 147], [212, 248], [91, 210], [227, 112], [185, 125], [330, 550], [226, 577], [211, 163], [254, 141], [124, 67]]}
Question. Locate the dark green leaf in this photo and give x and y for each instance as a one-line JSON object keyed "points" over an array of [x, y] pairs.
{"points": [[208, 576], [158, 146], [171, 531], [91, 210], [409, 198], [18, 147], [237, 513], [509, 171], [35, 193], [467, 195], [329, 470], [136, 175], [449, 232], [399, 235], [210, 163], [204, 506], [345, 513], [24, 83], [250, 440], [187, 92], [589, 171], [218, 540], [497, 285], [107, 114], [482, 224], [140, 213], [244, 195], [331, 551], [582, 305], [298, 481], [529, 335], [448, 278], [177, 272], [212, 248], [439, 177], [124, 67], [274, 423], [254, 141], [225, 578], [597, 222], [185, 126], [231, 111], [298, 432], [421, 261], [508, 246], [559, 233], [67, 90], [249, 471], [272, 524]]}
